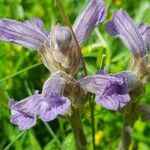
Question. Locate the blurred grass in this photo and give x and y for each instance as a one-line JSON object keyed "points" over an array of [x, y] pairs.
{"points": [[21, 73]]}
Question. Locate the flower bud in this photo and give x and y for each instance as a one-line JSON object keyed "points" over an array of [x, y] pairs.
{"points": [[59, 51]]}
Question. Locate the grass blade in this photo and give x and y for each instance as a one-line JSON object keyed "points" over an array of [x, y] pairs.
{"points": [[15, 139], [52, 134], [19, 72]]}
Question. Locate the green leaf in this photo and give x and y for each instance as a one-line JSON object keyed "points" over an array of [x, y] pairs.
{"points": [[34, 143], [68, 143]]}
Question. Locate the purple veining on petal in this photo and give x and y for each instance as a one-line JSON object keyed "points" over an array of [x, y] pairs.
{"points": [[30, 34], [22, 119], [145, 32], [28, 105], [97, 83], [47, 105], [122, 26], [55, 83], [111, 90], [52, 106], [53, 102], [38, 26], [116, 95], [113, 102], [92, 15]]}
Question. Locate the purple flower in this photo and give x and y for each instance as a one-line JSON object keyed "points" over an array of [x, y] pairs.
{"points": [[47, 105], [57, 52], [112, 91], [135, 38]]}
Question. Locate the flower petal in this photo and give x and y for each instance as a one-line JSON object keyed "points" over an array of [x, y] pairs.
{"points": [[29, 105], [55, 83], [23, 120], [29, 34], [52, 106], [92, 15], [145, 32], [53, 102], [122, 26], [114, 101], [98, 83], [116, 95]]}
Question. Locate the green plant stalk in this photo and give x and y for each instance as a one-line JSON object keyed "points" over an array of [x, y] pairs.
{"points": [[80, 138], [91, 101], [128, 123]]}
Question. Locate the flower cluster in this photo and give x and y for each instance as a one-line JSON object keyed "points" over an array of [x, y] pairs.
{"points": [[58, 51]]}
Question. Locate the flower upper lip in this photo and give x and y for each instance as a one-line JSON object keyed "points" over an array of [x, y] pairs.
{"points": [[127, 32]]}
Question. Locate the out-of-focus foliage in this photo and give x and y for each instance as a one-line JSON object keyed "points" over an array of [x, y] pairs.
{"points": [[21, 73]]}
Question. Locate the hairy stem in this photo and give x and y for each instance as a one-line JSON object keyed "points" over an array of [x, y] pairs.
{"points": [[80, 138], [128, 123]]}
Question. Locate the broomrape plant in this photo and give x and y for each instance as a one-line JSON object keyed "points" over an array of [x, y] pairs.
{"points": [[63, 93]]}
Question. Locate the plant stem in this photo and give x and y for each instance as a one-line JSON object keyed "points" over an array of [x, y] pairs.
{"points": [[92, 120], [128, 123], [80, 138]]}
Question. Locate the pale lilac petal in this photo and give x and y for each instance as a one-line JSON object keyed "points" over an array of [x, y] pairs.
{"points": [[122, 26], [115, 96], [145, 32], [92, 15], [52, 106], [98, 83], [29, 105], [55, 83], [38, 26], [53, 102], [23, 120], [111, 90], [29, 34], [113, 102]]}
